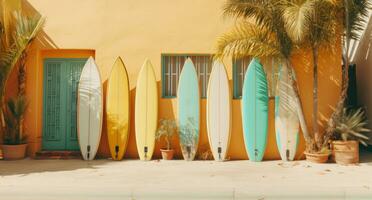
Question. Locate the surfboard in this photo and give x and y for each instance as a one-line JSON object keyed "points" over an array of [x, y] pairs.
{"points": [[188, 110], [117, 110], [255, 110], [218, 111], [90, 110], [146, 111], [286, 118]]}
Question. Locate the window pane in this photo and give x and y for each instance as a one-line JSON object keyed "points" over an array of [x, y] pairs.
{"points": [[174, 85], [172, 68], [241, 66]]}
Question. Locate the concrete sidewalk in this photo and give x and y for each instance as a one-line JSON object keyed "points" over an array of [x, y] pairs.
{"points": [[133, 179]]}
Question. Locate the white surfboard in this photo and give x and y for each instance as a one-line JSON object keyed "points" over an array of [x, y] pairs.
{"points": [[218, 111], [90, 105], [286, 118]]}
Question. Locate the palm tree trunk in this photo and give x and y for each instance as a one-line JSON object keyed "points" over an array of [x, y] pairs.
{"points": [[345, 74], [317, 135], [22, 86], [300, 113]]}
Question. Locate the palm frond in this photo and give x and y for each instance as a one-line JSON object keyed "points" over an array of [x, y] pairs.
{"points": [[26, 30], [247, 39], [259, 10], [310, 22], [297, 15], [358, 11]]}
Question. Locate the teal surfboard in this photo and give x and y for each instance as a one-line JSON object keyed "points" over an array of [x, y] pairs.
{"points": [[255, 110], [188, 110]]}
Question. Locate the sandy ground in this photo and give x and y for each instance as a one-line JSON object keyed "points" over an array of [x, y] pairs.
{"points": [[133, 179]]}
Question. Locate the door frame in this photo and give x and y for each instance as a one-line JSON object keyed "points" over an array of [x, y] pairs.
{"points": [[64, 71], [37, 100]]}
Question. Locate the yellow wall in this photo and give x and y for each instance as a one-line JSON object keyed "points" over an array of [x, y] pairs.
{"points": [[136, 29]]}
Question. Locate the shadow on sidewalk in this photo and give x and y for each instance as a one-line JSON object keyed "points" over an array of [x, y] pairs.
{"points": [[29, 166]]}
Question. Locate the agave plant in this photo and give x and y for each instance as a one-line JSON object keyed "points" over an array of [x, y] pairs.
{"points": [[15, 110], [261, 33], [350, 125]]}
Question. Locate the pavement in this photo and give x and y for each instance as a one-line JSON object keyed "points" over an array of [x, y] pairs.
{"points": [[178, 179]]}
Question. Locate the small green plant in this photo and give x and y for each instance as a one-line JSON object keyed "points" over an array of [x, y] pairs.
{"points": [[14, 113], [166, 130], [350, 125], [188, 133]]}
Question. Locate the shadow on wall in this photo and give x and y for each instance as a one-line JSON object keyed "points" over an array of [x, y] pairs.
{"points": [[43, 40]]}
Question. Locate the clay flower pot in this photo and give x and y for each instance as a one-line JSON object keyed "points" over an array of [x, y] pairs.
{"points": [[14, 152], [346, 152], [167, 154], [317, 157]]}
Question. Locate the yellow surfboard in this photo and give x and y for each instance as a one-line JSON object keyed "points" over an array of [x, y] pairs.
{"points": [[117, 110], [146, 111]]}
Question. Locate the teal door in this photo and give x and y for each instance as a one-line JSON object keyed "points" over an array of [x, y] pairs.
{"points": [[61, 77]]}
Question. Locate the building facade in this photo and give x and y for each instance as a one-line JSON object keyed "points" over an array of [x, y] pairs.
{"points": [[166, 32]]}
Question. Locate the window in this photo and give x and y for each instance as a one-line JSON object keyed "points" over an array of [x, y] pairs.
{"points": [[171, 69], [240, 67]]}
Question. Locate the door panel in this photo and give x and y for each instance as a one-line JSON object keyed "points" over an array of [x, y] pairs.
{"points": [[53, 130], [61, 77], [74, 76]]}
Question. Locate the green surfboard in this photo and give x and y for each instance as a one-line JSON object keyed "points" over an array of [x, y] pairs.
{"points": [[255, 110]]}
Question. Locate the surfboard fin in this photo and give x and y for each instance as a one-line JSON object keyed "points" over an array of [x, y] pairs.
{"points": [[116, 151], [145, 150], [88, 151], [287, 154], [188, 149], [219, 152]]}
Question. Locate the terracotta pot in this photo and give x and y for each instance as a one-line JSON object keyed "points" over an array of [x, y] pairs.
{"points": [[167, 154], [317, 157], [14, 152], [346, 152]]}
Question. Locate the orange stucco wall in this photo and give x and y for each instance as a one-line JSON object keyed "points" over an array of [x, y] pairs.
{"points": [[135, 30]]}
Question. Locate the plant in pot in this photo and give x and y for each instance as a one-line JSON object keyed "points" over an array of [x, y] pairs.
{"points": [[315, 154], [15, 145], [188, 134], [166, 131], [349, 132]]}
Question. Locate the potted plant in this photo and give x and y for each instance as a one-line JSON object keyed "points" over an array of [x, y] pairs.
{"points": [[166, 131], [349, 132], [318, 156], [14, 146], [188, 134]]}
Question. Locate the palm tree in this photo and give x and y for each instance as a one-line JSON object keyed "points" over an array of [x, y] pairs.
{"points": [[13, 53], [353, 16], [312, 24], [315, 22], [261, 33]]}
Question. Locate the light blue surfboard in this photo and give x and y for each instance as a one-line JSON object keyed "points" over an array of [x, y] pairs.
{"points": [[255, 111], [188, 110]]}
